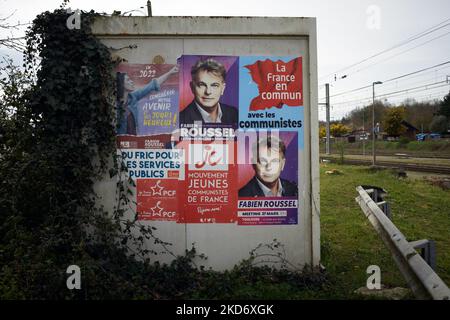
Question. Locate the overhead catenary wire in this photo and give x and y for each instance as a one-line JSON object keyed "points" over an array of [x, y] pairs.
{"points": [[419, 99], [433, 71], [369, 99], [402, 43], [428, 96], [395, 86], [400, 53], [445, 34], [427, 87], [392, 79]]}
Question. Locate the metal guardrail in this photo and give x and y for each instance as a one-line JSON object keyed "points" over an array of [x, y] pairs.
{"points": [[420, 276]]}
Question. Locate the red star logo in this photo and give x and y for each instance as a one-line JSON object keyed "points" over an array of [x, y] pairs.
{"points": [[157, 189], [156, 210]]}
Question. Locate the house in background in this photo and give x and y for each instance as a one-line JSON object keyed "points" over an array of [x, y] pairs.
{"points": [[357, 135], [410, 132]]}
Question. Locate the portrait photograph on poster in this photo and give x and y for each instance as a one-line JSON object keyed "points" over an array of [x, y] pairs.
{"points": [[209, 91], [147, 99], [268, 179]]}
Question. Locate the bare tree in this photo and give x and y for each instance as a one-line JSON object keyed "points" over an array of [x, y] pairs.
{"points": [[11, 41]]}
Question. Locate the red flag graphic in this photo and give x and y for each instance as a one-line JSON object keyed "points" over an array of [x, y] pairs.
{"points": [[279, 83]]}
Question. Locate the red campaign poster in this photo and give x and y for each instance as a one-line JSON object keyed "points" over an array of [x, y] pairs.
{"points": [[209, 191], [157, 199], [147, 109], [156, 173]]}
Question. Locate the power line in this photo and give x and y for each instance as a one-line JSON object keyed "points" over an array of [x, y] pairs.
{"points": [[395, 92], [369, 100], [396, 86], [433, 95], [353, 90], [418, 71], [397, 54], [402, 43], [392, 79], [409, 78], [430, 72], [425, 85], [423, 98], [429, 96], [399, 93]]}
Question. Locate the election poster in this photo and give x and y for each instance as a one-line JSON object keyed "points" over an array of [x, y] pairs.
{"points": [[268, 178], [270, 136], [156, 173], [209, 95], [210, 187], [271, 94], [147, 103], [214, 139], [209, 91]]}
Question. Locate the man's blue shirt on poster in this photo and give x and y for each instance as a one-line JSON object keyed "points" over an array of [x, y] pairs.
{"points": [[132, 106]]}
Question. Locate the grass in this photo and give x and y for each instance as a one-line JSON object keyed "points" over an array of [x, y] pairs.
{"points": [[342, 157], [425, 148], [348, 241]]}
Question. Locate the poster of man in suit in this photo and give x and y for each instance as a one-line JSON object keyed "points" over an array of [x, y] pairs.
{"points": [[208, 91], [268, 182]]}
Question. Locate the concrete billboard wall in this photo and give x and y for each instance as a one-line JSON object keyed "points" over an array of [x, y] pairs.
{"points": [[163, 40]]}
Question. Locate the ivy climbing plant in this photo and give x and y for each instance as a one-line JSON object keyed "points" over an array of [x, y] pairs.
{"points": [[58, 139]]}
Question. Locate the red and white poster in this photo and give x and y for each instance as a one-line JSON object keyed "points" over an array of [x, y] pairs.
{"points": [[156, 173], [157, 199], [209, 192]]}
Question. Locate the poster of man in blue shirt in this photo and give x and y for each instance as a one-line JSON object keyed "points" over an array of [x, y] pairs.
{"points": [[128, 97]]}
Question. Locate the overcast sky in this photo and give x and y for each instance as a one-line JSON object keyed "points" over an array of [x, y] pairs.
{"points": [[348, 32]]}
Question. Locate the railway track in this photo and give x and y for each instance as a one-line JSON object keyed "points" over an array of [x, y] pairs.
{"points": [[404, 166], [435, 155]]}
